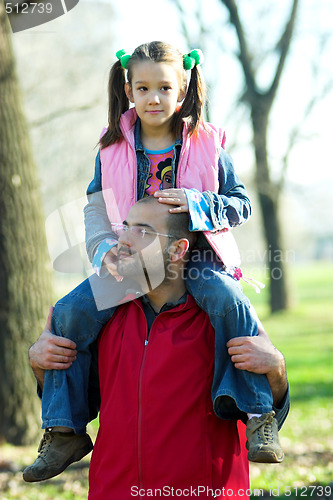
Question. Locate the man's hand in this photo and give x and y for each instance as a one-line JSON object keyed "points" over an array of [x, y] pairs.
{"points": [[51, 352], [173, 197], [258, 355], [255, 354]]}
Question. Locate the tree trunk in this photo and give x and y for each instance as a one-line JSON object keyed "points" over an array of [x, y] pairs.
{"points": [[260, 103], [24, 277], [268, 200]]}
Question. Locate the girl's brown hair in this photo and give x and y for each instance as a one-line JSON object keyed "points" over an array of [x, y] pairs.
{"points": [[191, 109]]}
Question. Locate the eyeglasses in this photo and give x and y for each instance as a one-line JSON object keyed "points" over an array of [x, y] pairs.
{"points": [[138, 232]]}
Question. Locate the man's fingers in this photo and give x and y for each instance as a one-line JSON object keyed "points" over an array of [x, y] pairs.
{"points": [[53, 358], [63, 342], [238, 358], [236, 341], [64, 359], [60, 351], [59, 366], [240, 366], [241, 341]]}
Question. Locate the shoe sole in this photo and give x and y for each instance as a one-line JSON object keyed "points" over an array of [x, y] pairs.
{"points": [[265, 457], [76, 457]]}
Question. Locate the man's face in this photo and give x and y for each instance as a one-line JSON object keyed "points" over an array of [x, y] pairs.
{"points": [[140, 250]]}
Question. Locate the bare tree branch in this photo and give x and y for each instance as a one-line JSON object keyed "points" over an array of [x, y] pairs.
{"points": [[244, 55], [61, 112], [283, 47], [296, 134], [183, 24]]}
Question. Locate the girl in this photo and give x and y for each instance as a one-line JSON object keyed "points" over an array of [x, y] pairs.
{"points": [[160, 147]]}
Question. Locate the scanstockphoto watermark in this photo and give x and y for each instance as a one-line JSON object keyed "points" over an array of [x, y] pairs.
{"points": [[315, 491], [194, 492], [24, 14], [268, 261]]}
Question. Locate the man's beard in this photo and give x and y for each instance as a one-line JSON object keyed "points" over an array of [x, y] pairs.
{"points": [[151, 265]]}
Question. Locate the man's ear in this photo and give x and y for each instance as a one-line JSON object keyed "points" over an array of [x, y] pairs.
{"points": [[128, 92], [179, 249]]}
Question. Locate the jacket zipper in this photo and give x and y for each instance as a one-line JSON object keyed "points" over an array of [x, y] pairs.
{"points": [[146, 343], [140, 412]]}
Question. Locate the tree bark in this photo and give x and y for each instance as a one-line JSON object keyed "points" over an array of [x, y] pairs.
{"points": [[25, 283]]}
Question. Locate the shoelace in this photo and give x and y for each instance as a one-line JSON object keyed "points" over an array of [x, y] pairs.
{"points": [[268, 434], [45, 443], [267, 431]]}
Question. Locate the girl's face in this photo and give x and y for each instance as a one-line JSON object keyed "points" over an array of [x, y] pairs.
{"points": [[155, 90]]}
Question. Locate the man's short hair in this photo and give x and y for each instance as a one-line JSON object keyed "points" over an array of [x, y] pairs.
{"points": [[177, 224]]}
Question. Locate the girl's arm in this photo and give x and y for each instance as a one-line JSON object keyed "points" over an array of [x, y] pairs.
{"points": [[99, 237], [231, 206]]}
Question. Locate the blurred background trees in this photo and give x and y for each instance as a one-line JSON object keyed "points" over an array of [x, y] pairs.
{"points": [[59, 102], [24, 275], [259, 96]]}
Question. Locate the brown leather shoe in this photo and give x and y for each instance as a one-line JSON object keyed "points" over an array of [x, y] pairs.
{"points": [[263, 439], [57, 450]]}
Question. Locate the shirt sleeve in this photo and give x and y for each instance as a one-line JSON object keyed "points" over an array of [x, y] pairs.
{"points": [[199, 211], [228, 208], [101, 251], [231, 206], [96, 220]]}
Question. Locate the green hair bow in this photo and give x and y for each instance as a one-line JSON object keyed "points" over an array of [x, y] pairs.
{"points": [[123, 57], [194, 58]]}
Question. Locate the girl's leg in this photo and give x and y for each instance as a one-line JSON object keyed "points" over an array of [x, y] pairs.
{"points": [[235, 392]]}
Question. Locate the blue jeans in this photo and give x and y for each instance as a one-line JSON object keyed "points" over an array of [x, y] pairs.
{"points": [[68, 399], [234, 392]]}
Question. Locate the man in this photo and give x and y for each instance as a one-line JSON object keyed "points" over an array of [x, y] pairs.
{"points": [[158, 431]]}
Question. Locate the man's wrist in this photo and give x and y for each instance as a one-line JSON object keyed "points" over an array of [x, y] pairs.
{"points": [[277, 378], [33, 365], [37, 371], [278, 369], [29, 357]]}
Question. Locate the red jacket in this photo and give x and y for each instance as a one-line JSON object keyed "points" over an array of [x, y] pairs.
{"points": [[158, 435]]}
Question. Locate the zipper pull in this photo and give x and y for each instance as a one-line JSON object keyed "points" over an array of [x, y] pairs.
{"points": [[146, 342]]}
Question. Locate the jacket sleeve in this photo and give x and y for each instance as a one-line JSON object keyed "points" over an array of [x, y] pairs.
{"points": [[231, 206], [97, 223]]}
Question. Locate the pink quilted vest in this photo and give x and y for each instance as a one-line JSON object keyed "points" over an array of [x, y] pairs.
{"points": [[197, 168]]}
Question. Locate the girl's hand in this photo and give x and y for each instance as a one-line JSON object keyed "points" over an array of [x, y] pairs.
{"points": [[110, 262], [173, 197]]}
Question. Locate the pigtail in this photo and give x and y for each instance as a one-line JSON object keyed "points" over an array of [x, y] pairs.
{"points": [[192, 108], [118, 104]]}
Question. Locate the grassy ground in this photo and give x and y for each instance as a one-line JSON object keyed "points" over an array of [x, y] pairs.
{"points": [[304, 335]]}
